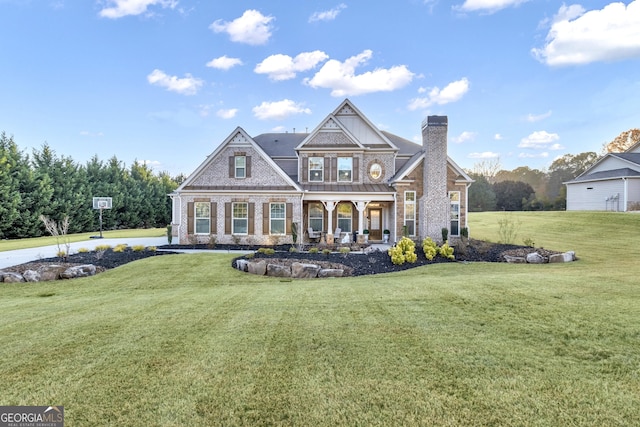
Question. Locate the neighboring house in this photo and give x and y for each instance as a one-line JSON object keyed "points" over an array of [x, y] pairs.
{"points": [[612, 183], [345, 174]]}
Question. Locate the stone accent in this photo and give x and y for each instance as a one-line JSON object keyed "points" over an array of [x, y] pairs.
{"points": [[8, 277], [51, 272], [276, 270], [79, 271], [535, 258], [515, 259], [565, 257], [304, 271], [31, 276], [242, 265], [330, 272], [257, 267], [435, 204]]}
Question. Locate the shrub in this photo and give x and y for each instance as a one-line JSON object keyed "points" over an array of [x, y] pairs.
{"points": [[61, 254], [169, 233], [529, 242], [313, 250], [151, 248], [446, 251], [326, 251], [250, 256], [464, 232], [102, 248], [404, 251], [292, 249], [138, 248], [445, 234], [83, 250], [266, 251], [344, 250], [429, 248], [508, 229], [120, 248]]}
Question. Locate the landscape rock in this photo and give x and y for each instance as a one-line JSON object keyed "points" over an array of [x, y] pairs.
{"points": [[51, 272], [515, 259], [242, 265], [31, 276], [257, 267], [304, 271], [79, 271], [9, 277], [370, 249], [276, 270], [330, 272], [535, 258], [565, 257]]}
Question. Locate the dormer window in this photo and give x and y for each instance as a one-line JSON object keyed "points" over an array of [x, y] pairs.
{"points": [[345, 169], [316, 169]]}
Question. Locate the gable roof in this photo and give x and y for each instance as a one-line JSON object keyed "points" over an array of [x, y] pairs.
{"points": [[280, 144], [603, 175], [633, 159], [239, 135]]}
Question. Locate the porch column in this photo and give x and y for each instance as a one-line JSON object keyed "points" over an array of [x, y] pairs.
{"points": [[330, 205], [361, 206]]}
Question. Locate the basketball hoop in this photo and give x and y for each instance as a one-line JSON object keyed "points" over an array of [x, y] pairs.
{"points": [[101, 203]]}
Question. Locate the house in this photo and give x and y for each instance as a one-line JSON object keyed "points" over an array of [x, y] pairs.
{"points": [[345, 174], [612, 183]]}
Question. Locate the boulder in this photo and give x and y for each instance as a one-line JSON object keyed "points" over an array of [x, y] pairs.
{"points": [[370, 249], [304, 271], [515, 259], [330, 272], [51, 272], [565, 257], [257, 267], [79, 271], [9, 277], [535, 258], [242, 265], [277, 270], [31, 276]]}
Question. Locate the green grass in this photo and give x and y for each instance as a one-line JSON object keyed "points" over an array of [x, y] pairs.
{"points": [[10, 245], [186, 340]]}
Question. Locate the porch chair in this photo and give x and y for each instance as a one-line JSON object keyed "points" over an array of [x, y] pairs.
{"points": [[315, 235], [336, 234]]}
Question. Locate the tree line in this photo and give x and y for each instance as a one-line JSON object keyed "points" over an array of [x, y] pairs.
{"points": [[56, 186]]}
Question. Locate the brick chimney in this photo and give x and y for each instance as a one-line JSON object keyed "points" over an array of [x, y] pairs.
{"points": [[435, 201]]}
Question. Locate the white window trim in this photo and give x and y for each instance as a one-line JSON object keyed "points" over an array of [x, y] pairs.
{"points": [[243, 168], [321, 169], [283, 219], [413, 202], [234, 218], [350, 170], [196, 218], [350, 218], [456, 202], [321, 217]]}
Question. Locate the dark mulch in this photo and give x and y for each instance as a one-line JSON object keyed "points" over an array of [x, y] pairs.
{"points": [[356, 263]]}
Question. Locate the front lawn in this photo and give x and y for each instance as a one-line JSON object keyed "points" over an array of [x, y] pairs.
{"points": [[185, 340]]}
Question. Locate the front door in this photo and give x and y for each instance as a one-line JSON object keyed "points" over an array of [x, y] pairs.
{"points": [[375, 224]]}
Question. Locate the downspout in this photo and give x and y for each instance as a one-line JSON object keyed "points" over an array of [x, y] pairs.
{"points": [[466, 206], [625, 194], [395, 216]]}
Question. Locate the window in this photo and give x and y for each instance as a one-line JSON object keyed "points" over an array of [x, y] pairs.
{"points": [[316, 169], [240, 218], [345, 168], [203, 217], [410, 212], [344, 217], [454, 197], [240, 166], [316, 216], [375, 171], [277, 216]]}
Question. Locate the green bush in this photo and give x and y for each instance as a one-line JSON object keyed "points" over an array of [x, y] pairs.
{"points": [[83, 250], [445, 234], [314, 250], [120, 248], [138, 248], [267, 251], [446, 251], [102, 248], [344, 250], [292, 249], [326, 251], [404, 251], [429, 248]]}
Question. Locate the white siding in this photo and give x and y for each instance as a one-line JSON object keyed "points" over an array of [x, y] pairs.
{"points": [[611, 163], [633, 188], [591, 196]]}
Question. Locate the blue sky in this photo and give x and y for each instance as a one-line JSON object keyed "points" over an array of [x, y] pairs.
{"points": [[165, 81]]}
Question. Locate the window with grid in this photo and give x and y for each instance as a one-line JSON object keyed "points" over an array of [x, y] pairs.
{"points": [[345, 169], [454, 198], [277, 217], [240, 218], [241, 166], [410, 212], [344, 216], [203, 217], [316, 169], [316, 216]]}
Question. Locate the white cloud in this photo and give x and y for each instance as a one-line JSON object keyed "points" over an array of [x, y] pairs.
{"points": [[451, 93], [279, 110], [120, 8], [188, 85], [341, 78], [543, 155], [464, 137], [498, 137], [532, 118], [91, 134], [224, 63], [227, 114], [577, 37], [251, 28], [327, 15], [283, 67], [153, 164], [556, 147], [484, 155], [539, 140], [488, 6]]}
